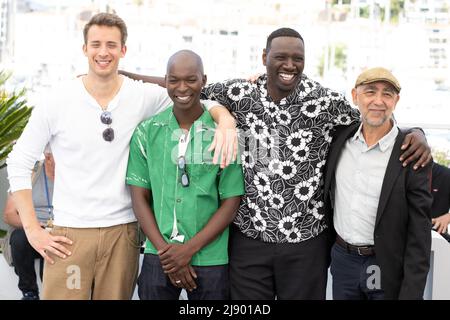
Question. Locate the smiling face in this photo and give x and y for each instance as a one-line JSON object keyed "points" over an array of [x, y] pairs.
{"points": [[376, 102], [184, 80], [103, 49], [284, 61]]}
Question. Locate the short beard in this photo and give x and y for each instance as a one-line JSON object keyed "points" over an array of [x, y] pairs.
{"points": [[377, 123]]}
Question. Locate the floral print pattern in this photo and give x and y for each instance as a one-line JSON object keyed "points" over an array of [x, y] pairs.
{"points": [[285, 145]]}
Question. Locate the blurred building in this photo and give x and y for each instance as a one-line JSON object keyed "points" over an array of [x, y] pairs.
{"points": [[434, 15], [342, 37], [7, 14]]}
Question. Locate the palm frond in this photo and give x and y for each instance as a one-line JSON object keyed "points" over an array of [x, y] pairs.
{"points": [[14, 115]]}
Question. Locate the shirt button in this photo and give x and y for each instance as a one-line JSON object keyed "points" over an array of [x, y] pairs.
{"points": [[178, 200]]}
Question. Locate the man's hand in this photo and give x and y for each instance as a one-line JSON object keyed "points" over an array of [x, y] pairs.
{"points": [[44, 243], [175, 256], [254, 77], [148, 79], [184, 278], [416, 147], [225, 142], [441, 223]]}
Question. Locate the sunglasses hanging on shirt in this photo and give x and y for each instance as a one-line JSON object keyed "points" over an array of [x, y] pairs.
{"points": [[108, 133], [181, 162], [184, 178]]}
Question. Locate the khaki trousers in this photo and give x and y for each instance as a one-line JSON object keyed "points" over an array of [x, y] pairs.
{"points": [[103, 265]]}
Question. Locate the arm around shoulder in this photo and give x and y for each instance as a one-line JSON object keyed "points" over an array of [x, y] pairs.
{"points": [[415, 147], [147, 79]]}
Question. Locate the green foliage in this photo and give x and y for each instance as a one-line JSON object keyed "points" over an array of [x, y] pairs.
{"points": [[397, 7], [335, 2], [14, 115], [340, 58], [441, 157], [321, 65], [364, 12], [445, 7], [382, 13]]}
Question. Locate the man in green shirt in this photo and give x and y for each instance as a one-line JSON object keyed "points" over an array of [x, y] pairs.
{"points": [[183, 202]]}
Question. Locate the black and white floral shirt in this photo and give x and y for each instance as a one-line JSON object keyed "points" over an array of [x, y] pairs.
{"points": [[284, 148]]}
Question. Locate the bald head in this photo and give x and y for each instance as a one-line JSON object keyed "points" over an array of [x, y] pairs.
{"points": [[185, 80], [186, 57]]}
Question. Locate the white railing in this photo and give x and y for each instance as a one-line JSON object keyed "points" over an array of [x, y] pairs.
{"points": [[438, 282]]}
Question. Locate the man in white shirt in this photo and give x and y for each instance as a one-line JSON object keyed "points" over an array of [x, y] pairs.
{"points": [[381, 210], [92, 252]]}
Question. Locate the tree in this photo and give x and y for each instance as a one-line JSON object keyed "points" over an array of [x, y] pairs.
{"points": [[397, 7], [14, 115], [339, 60]]}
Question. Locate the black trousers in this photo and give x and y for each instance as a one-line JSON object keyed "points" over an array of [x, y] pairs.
{"points": [[285, 271], [23, 256], [355, 277], [153, 284]]}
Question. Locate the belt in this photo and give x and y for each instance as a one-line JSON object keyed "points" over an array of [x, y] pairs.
{"points": [[360, 250]]}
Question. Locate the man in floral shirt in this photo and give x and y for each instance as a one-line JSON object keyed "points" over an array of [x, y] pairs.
{"points": [[278, 247]]}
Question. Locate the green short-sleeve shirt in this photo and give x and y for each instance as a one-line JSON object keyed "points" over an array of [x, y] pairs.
{"points": [[152, 164]]}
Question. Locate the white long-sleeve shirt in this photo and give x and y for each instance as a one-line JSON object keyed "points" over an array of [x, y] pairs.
{"points": [[90, 189]]}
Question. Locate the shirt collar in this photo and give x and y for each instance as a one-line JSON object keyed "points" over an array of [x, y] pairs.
{"points": [[203, 123], [384, 143]]}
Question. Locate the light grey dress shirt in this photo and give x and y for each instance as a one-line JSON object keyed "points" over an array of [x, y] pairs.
{"points": [[359, 176]]}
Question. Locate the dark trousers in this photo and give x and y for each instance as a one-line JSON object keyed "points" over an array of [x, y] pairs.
{"points": [[355, 277], [153, 284], [286, 271], [23, 256]]}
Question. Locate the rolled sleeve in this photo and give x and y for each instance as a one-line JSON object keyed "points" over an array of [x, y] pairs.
{"points": [[209, 104], [231, 182], [137, 170]]}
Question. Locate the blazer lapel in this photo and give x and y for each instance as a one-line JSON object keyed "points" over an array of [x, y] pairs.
{"points": [[392, 172], [335, 152]]}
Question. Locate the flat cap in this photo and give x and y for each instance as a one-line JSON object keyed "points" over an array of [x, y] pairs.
{"points": [[377, 74]]}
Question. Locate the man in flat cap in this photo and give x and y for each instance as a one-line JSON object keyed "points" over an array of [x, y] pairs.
{"points": [[381, 211]]}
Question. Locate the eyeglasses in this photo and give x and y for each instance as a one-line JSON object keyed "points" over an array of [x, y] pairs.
{"points": [[106, 118], [184, 176]]}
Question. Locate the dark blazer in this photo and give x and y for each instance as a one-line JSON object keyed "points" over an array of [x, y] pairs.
{"points": [[402, 232], [440, 188]]}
